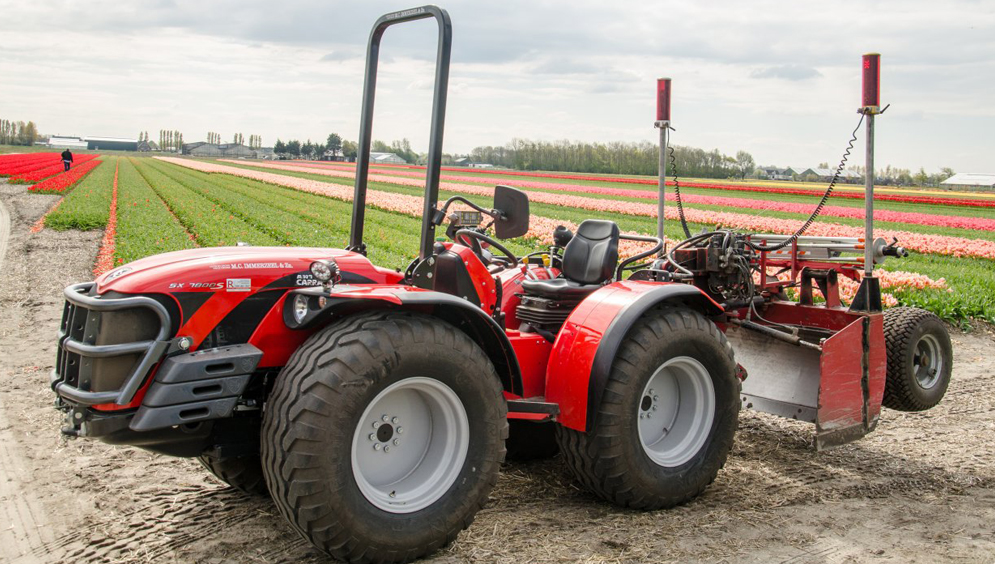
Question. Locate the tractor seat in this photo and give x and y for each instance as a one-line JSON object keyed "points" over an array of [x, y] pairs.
{"points": [[589, 261]]}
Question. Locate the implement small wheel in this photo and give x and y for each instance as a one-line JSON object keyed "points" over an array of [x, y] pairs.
{"points": [[668, 416], [383, 436], [244, 473], [920, 359]]}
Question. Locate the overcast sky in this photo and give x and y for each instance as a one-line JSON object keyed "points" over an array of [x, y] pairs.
{"points": [[780, 80]]}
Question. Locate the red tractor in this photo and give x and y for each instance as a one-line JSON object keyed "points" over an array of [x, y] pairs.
{"points": [[373, 404]]}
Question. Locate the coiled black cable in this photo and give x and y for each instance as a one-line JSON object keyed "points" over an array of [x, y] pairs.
{"points": [[822, 203], [677, 191], [808, 223]]}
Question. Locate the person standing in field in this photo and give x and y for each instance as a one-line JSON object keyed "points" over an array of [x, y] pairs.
{"points": [[67, 158]]}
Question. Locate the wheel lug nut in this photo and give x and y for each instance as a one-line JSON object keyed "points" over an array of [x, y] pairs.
{"points": [[385, 418], [386, 449], [642, 415], [649, 416], [394, 420], [373, 436], [376, 446], [376, 424], [396, 442], [400, 430], [656, 398], [654, 408]]}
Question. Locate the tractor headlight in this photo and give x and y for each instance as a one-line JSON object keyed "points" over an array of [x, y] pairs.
{"points": [[325, 271], [300, 308]]}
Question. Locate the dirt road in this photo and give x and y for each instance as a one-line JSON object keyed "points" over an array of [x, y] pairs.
{"points": [[919, 489]]}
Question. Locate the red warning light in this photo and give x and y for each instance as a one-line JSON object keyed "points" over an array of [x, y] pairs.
{"points": [[872, 80], [663, 99]]}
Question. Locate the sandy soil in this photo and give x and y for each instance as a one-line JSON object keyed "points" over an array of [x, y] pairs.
{"points": [[919, 489]]}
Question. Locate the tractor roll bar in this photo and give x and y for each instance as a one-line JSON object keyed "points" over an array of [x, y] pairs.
{"points": [[434, 165]]}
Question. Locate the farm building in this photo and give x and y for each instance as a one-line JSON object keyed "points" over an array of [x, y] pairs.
{"points": [[774, 173], [59, 142], [111, 144], [972, 179], [212, 150], [386, 158], [147, 146], [824, 174]]}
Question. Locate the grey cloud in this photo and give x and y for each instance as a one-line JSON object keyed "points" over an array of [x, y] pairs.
{"points": [[787, 72]]}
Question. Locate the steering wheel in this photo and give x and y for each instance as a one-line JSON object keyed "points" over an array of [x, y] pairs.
{"points": [[476, 237]]}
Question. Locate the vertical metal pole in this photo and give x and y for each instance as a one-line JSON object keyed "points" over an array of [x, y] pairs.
{"points": [[869, 198], [663, 123], [664, 139]]}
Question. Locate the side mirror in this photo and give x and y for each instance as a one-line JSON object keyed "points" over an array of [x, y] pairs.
{"points": [[514, 207]]}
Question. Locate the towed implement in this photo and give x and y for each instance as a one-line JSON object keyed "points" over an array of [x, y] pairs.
{"points": [[376, 405]]}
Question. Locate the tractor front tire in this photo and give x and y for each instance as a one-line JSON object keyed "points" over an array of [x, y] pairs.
{"points": [[244, 473], [383, 436], [920, 359], [667, 418]]}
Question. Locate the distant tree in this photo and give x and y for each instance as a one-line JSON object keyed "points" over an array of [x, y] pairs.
{"points": [[30, 133], [349, 149], [402, 149], [745, 163], [279, 147], [379, 147], [294, 148], [945, 173], [921, 178], [334, 143]]}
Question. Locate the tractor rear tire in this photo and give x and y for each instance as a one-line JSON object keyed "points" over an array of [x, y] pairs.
{"points": [[383, 436], [676, 365], [244, 473], [528, 440], [920, 359]]}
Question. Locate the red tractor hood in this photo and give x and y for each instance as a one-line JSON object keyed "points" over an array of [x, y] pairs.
{"points": [[236, 269]]}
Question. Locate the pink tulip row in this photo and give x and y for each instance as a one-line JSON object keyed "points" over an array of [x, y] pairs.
{"points": [[923, 243], [718, 185], [540, 228], [959, 222]]}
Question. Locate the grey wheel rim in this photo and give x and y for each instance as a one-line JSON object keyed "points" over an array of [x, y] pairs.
{"points": [[676, 411], [410, 445], [927, 361]]}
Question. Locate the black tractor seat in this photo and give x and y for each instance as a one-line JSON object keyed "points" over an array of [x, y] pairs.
{"points": [[589, 261]]}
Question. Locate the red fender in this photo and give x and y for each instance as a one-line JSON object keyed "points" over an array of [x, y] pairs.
{"points": [[586, 345]]}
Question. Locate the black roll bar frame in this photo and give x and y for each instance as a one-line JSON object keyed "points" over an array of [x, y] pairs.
{"points": [[434, 165]]}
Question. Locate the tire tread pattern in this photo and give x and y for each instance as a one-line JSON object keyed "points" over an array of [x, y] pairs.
{"points": [[343, 349], [900, 324], [596, 457]]}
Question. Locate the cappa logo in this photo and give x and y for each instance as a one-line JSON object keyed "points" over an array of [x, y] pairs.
{"points": [[307, 280], [119, 273]]}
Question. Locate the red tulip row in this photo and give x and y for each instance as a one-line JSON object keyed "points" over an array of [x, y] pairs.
{"points": [[13, 164], [959, 222], [47, 169], [909, 199], [62, 182], [924, 243], [105, 257]]}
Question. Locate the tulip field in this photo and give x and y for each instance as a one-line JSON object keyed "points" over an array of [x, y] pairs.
{"points": [[44, 171], [148, 206]]}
